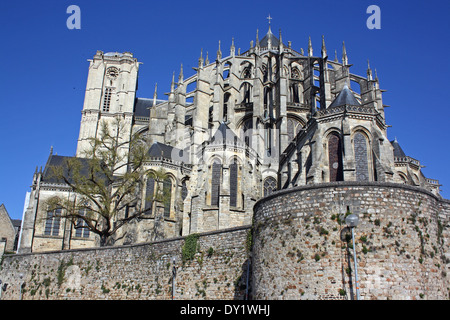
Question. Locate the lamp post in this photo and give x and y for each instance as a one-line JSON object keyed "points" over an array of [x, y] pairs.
{"points": [[352, 221], [174, 273], [22, 284]]}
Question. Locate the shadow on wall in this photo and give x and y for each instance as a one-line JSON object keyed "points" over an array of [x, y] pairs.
{"points": [[242, 285]]}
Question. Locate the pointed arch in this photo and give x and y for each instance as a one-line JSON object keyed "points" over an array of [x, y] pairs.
{"points": [[216, 177], [246, 92], [234, 182], [270, 186], [335, 162], [360, 149], [226, 99], [167, 192], [294, 125], [149, 193]]}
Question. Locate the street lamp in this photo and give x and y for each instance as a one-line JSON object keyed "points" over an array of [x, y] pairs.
{"points": [[174, 273], [22, 285], [352, 221]]}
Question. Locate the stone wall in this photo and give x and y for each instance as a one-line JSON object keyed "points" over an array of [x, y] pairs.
{"points": [[217, 271], [302, 251], [7, 232]]}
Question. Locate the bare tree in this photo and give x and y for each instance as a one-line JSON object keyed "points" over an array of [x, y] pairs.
{"points": [[107, 181]]}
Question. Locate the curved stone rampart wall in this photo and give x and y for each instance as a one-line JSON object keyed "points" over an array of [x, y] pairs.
{"points": [[301, 250]]}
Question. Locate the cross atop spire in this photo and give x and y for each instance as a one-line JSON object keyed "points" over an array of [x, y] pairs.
{"points": [[269, 18]]}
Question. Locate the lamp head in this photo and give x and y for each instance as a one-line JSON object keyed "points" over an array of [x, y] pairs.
{"points": [[352, 220]]}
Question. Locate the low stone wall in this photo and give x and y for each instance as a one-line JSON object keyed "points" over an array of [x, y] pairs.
{"points": [[217, 271], [301, 250]]}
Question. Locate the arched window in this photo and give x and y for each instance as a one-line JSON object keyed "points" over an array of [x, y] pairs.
{"points": [[293, 128], [247, 73], [245, 92], [270, 185], [226, 99], [233, 183], [167, 192], [403, 178], [335, 158], [52, 223], [80, 229], [295, 97], [149, 194], [265, 73], [295, 73], [227, 70], [361, 163], [216, 174], [246, 132]]}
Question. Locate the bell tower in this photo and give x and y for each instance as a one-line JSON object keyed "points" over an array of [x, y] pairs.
{"points": [[110, 92]]}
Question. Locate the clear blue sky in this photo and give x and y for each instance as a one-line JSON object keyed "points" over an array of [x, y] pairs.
{"points": [[44, 65]]}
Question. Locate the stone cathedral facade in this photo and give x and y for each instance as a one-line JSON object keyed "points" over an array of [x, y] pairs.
{"points": [[241, 127]]}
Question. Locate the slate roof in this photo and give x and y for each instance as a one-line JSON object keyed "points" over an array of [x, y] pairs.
{"points": [[142, 106], [161, 150], [398, 151], [225, 134], [62, 161], [345, 97], [264, 42]]}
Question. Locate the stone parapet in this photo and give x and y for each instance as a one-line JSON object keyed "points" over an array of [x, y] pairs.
{"points": [[301, 250]]}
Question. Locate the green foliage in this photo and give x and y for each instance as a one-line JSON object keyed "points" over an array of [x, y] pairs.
{"points": [[249, 241], [104, 289], [62, 271], [190, 247]]}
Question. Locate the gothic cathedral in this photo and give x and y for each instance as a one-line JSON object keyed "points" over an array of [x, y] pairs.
{"points": [[240, 128]]}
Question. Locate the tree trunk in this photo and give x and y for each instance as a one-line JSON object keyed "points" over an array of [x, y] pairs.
{"points": [[104, 240]]}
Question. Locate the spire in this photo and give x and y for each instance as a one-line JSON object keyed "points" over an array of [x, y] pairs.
{"points": [[344, 55], [207, 59], [335, 56], [200, 60], [155, 94], [345, 97], [269, 38], [180, 77], [232, 48], [172, 85], [310, 49], [369, 71], [257, 38], [324, 49], [219, 53], [281, 42], [51, 150]]}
